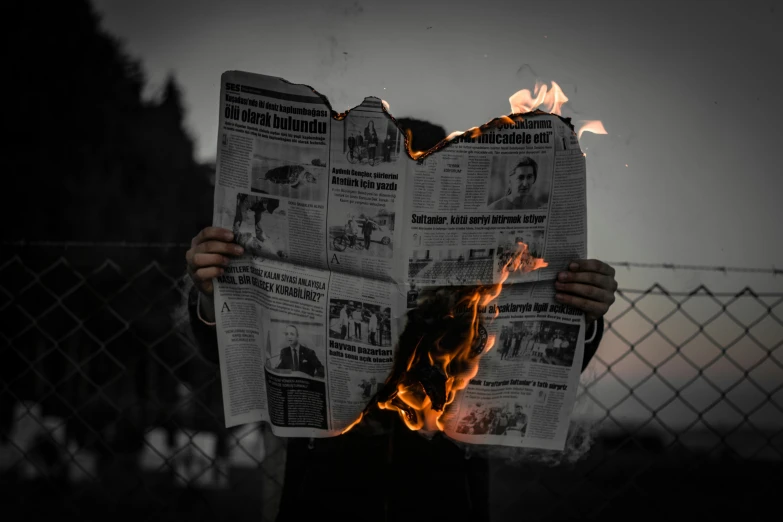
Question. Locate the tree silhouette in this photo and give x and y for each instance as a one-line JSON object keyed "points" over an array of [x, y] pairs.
{"points": [[92, 160]]}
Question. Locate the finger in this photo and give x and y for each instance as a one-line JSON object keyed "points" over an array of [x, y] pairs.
{"points": [[202, 260], [591, 265], [207, 274], [219, 247], [589, 292], [588, 306], [213, 233], [589, 278]]}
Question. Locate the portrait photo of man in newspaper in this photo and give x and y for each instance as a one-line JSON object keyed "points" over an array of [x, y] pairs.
{"points": [[294, 356], [523, 186]]}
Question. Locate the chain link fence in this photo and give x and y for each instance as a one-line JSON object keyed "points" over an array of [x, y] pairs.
{"points": [[106, 404]]}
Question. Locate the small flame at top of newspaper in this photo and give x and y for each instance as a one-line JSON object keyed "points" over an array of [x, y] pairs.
{"points": [[550, 99], [543, 98]]}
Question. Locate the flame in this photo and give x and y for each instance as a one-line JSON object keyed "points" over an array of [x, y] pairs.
{"points": [[435, 372], [415, 154], [543, 98], [548, 99], [354, 423], [594, 126]]}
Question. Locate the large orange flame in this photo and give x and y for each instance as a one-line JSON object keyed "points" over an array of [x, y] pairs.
{"points": [[434, 372]]}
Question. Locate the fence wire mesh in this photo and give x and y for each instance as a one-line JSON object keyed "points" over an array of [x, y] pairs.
{"points": [[105, 402]]}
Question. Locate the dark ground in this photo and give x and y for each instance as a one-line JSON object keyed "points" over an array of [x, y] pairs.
{"points": [[618, 480]]}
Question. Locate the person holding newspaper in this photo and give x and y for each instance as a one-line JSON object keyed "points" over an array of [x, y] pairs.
{"points": [[318, 470], [587, 284]]}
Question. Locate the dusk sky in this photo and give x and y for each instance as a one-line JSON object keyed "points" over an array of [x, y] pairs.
{"points": [[686, 90]]}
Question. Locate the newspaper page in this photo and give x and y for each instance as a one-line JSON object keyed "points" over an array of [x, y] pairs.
{"points": [[525, 387], [342, 229], [367, 185], [472, 206]]}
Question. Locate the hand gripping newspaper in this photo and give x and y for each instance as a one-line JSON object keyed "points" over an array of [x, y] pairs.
{"points": [[337, 305]]}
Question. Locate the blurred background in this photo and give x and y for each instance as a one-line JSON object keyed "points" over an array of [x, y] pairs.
{"points": [[106, 405]]}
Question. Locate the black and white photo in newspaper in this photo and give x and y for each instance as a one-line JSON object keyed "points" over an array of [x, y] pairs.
{"points": [[366, 184], [362, 339], [525, 389], [272, 337]]}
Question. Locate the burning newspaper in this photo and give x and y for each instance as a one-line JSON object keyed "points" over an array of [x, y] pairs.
{"points": [[379, 278]]}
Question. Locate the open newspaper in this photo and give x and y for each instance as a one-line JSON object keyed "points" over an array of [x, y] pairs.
{"points": [[342, 230]]}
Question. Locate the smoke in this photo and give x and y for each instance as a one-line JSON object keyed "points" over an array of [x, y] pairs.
{"points": [[526, 76]]}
